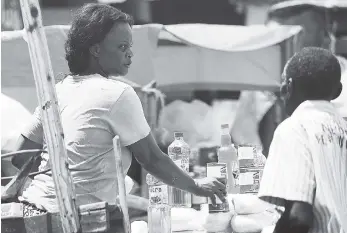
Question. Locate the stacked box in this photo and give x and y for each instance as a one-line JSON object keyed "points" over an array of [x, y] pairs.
{"points": [[251, 168], [249, 180]]}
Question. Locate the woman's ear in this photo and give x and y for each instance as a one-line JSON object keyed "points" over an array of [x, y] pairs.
{"points": [[95, 50], [338, 91]]}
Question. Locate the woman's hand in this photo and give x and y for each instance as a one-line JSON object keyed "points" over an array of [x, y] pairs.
{"points": [[209, 187], [151, 158]]}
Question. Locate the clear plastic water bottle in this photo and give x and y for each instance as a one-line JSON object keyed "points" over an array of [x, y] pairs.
{"points": [[227, 153], [159, 209], [179, 152]]}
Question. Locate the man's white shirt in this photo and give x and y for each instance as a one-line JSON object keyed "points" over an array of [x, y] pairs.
{"points": [[307, 162]]}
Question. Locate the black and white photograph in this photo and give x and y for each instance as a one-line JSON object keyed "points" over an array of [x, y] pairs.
{"points": [[173, 116]]}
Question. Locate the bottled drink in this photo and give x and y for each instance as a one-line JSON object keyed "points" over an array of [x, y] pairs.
{"points": [[159, 209], [227, 153], [159, 219], [179, 152], [218, 170], [197, 201]]}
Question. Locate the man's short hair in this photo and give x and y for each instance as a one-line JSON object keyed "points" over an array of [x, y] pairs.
{"points": [[314, 71]]}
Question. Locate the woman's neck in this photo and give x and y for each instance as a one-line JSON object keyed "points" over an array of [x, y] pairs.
{"points": [[95, 68], [93, 71]]}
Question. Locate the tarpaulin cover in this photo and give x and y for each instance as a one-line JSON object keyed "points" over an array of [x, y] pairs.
{"points": [[217, 57], [17, 78], [180, 57], [16, 65], [222, 57]]}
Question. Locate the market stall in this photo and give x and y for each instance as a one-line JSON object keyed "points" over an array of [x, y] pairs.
{"points": [[178, 57], [193, 57]]}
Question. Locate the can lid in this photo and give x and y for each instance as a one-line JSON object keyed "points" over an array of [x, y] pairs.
{"points": [[224, 126], [178, 134]]}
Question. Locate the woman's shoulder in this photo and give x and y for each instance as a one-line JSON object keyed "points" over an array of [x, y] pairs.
{"points": [[125, 80], [107, 84]]}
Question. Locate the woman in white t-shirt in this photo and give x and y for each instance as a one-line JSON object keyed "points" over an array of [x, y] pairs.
{"points": [[94, 109]]}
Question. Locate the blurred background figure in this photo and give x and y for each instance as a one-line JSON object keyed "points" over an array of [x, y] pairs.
{"points": [[321, 26], [13, 118]]}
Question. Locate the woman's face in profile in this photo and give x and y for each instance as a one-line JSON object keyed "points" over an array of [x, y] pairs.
{"points": [[115, 50]]}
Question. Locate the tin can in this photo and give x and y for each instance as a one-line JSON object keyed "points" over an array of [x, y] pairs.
{"points": [[218, 170]]}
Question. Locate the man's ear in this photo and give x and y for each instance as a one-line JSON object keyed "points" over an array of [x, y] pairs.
{"points": [[95, 50], [290, 86], [287, 88], [338, 91]]}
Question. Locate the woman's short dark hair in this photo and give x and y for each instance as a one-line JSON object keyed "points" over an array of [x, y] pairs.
{"points": [[90, 25]]}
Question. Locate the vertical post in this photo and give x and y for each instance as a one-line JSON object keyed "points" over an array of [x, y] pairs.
{"points": [[152, 103], [11, 18], [53, 131], [121, 185]]}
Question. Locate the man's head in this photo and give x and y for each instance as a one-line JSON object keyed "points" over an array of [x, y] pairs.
{"points": [[311, 74], [314, 21]]}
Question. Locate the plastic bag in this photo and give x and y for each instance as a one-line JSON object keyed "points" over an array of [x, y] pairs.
{"points": [[139, 227], [245, 204], [252, 222], [190, 118], [187, 219], [199, 122]]}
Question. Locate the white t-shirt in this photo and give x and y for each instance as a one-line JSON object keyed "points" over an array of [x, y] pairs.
{"points": [[93, 111], [308, 162]]}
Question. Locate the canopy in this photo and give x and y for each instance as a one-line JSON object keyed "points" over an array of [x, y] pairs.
{"points": [[222, 57], [179, 57], [17, 70], [17, 78], [208, 50]]}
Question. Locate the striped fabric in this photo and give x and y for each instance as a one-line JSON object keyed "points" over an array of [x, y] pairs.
{"points": [[308, 162]]}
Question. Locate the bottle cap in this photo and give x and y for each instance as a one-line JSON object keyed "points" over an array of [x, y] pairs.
{"points": [[178, 134]]}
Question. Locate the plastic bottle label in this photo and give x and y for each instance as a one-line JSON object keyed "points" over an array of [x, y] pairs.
{"points": [[178, 163], [246, 178], [159, 194], [175, 150], [246, 152], [183, 164]]}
